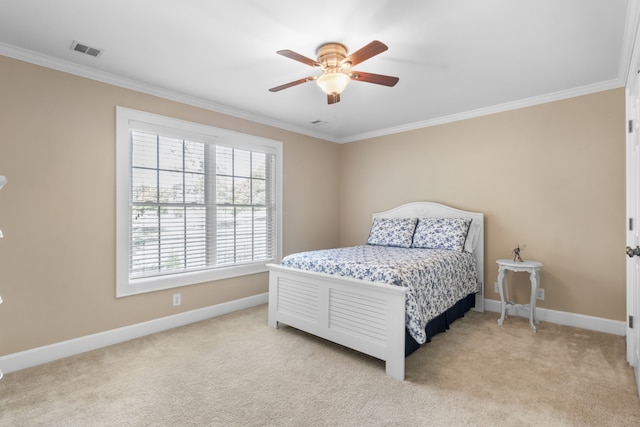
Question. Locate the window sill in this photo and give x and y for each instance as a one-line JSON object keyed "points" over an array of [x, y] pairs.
{"points": [[128, 287]]}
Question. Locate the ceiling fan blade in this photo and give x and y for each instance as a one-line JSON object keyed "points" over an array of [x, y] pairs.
{"points": [[370, 50], [297, 57], [378, 79], [332, 98], [290, 84]]}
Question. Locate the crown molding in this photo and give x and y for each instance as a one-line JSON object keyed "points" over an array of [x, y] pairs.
{"points": [[485, 111], [149, 89], [138, 86]]}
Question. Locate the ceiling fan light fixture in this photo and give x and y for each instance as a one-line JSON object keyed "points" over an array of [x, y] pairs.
{"points": [[333, 82], [336, 68]]}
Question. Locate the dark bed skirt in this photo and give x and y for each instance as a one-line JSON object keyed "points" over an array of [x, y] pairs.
{"points": [[440, 323]]}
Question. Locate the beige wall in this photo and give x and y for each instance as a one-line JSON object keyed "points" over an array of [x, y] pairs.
{"points": [[550, 176], [57, 260]]}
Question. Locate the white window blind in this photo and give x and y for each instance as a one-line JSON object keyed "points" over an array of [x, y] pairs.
{"points": [[200, 200]]}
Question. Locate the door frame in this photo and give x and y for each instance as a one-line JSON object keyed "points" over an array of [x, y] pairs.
{"points": [[632, 225]]}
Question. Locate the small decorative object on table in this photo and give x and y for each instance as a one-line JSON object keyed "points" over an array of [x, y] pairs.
{"points": [[516, 253]]}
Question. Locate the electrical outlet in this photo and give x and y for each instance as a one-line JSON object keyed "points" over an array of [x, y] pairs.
{"points": [[540, 294], [496, 288], [177, 300]]}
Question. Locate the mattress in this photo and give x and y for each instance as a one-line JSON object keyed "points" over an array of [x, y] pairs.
{"points": [[436, 279]]}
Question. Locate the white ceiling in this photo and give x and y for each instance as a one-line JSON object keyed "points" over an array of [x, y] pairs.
{"points": [[455, 58]]}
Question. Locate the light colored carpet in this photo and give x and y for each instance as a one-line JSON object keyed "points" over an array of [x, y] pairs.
{"points": [[236, 371]]}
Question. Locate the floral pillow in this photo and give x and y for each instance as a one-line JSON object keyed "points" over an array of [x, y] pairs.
{"points": [[441, 233], [392, 232]]}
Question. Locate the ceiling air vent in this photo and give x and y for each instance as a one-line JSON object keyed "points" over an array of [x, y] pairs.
{"points": [[88, 50]]}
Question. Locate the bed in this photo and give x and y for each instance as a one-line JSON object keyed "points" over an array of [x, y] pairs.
{"points": [[382, 314]]}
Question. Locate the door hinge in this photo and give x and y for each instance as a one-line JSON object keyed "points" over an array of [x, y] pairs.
{"points": [[630, 322], [630, 224], [630, 126]]}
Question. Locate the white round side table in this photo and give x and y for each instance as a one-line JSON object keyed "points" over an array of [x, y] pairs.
{"points": [[531, 267]]}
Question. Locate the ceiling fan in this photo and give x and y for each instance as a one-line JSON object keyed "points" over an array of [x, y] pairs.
{"points": [[336, 68]]}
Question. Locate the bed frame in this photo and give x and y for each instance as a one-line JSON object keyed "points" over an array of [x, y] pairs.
{"points": [[361, 315]]}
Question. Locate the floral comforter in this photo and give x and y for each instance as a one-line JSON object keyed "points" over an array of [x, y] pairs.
{"points": [[436, 279]]}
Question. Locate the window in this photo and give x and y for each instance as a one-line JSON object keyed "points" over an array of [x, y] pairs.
{"points": [[194, 203]]}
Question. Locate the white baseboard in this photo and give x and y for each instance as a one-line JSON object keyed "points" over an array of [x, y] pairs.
{"points": [[38, 356], [599, 324]]}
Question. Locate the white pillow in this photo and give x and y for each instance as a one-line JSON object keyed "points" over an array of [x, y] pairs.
{"points": [[472, 237]]}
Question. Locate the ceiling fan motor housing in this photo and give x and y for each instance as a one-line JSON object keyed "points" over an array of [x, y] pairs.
{"points": [[331, 55]]}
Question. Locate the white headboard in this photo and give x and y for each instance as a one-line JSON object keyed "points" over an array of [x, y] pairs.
{"points": [[437, 210]]}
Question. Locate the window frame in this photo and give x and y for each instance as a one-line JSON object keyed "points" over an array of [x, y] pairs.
{"points": [[129, 119]]}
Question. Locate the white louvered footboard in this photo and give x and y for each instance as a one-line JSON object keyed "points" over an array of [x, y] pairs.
{"points": [[367, 317]]}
